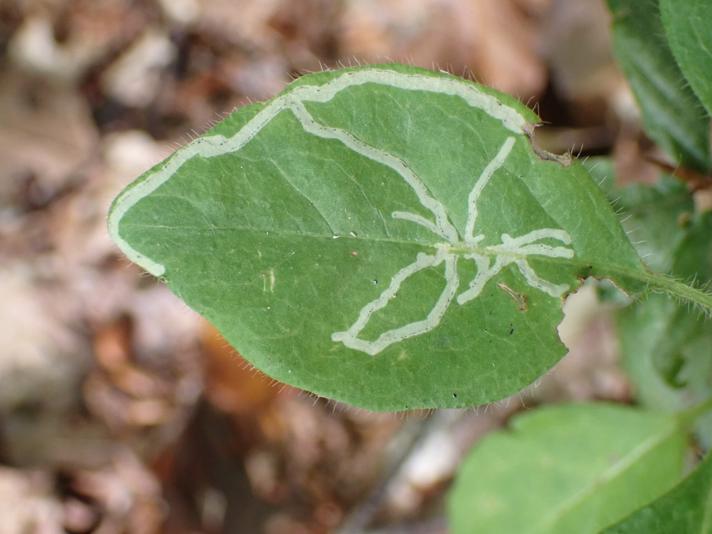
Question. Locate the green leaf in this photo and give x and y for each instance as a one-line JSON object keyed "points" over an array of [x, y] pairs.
{"points": [[687, 508], [563, 469], [602, 170], [665, 345], [687, 26], [384, 236], [656, 219], [672, 114], [666, 353]]}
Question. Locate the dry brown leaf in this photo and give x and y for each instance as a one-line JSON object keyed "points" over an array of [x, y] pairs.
{"points": [[492, 38]]}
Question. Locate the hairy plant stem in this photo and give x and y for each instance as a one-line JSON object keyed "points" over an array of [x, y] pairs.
{"points": [[684, 292]]}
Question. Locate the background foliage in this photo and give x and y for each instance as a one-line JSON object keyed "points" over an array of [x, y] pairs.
{"points": [[121, 410]]}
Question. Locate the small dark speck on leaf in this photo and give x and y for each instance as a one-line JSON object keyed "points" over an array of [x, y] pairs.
{"points": [[375, 282], [454, 395], [511, 329]]}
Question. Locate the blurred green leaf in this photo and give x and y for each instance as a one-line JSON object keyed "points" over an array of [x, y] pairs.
{"points": [[564, 469], [655, 219], [666, 352], [688, 26], [686, 509], [672, 114], [666, 346]]}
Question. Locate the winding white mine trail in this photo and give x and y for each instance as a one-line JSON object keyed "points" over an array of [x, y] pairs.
{"points": [[489, 260], [218, 145]]}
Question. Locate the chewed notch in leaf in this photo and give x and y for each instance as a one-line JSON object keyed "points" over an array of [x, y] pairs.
{"points": [[389, 205]]}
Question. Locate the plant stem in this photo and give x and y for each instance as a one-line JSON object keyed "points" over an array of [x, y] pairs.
{"points": [[675, 288]]}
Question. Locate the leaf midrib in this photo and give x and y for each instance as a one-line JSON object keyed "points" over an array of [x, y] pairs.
{"points": [[607, 476], [615, 272], [459, 248]]}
